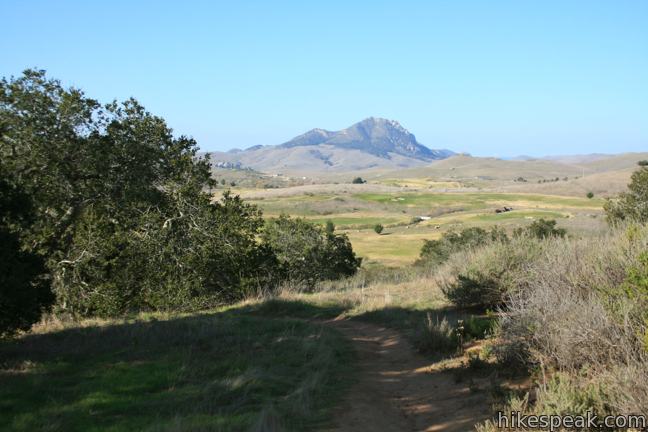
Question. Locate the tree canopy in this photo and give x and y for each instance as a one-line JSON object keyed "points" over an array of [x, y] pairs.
{"points": [[633, 204], [121, 216]]}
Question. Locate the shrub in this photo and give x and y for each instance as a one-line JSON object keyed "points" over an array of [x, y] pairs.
{"points": [[573, 299], [378, 228], [643, 163], [590, 195], [583, 313], [563, 395], [437, 336], [633, 204], [329, 227], [192, 257], [484, 276], [479, 327], [436, 252], [358, 180], [307, 252], [542, 229]]}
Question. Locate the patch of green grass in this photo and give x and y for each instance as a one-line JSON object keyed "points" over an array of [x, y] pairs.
{"points": [[493, 217], [474, 200], [357, 222], [275, 307], [225, 371]]}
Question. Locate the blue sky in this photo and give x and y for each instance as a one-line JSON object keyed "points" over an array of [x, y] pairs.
{"points": [[490, 77]]}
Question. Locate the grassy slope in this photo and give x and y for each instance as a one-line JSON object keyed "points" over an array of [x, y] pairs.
{"points": [[401, 299], [220, 371]]}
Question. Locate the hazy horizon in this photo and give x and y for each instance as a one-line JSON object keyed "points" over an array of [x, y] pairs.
{"points": [[492, 79]]}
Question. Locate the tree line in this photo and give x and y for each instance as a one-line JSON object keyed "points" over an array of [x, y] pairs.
{"points": [[103, 211]]}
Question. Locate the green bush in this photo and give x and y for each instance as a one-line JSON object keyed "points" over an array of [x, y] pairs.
{"points": [[436, 252], [329, 227], [307, 252], [542, 229], [483, 277], [378, 228], [358, 180], [590, 195], [564, 395], [479, 327], [568, 395], [633, 204]]}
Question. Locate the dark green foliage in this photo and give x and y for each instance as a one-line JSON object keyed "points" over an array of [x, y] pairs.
{"points": [[633, 204], [635, 287], [358, 180], [590, 195], [479, 327], [378, 228], [643, 163], [480, 289], [196, 256], [121, 216], [307, 252], [330, 227], [24, 287], [435, 252], [542, 229]]}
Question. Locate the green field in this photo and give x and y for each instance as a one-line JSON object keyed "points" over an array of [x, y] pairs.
{"points": [[477, 200], [356, 213]]}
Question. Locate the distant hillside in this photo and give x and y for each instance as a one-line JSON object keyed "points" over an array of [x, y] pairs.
{"points": [[371, 143], [488, 168], [604, 175]]}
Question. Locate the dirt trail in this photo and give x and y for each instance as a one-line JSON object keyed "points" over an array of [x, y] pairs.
{"points": [[397, 391]]}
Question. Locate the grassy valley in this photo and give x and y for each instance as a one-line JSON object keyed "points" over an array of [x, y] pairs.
{"points": [[356, 210], [145, 288]]}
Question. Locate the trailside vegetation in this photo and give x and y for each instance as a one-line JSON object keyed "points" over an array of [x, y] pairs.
{"points": [[24, 287], [631, 205], [122, 215], [308, 253]]}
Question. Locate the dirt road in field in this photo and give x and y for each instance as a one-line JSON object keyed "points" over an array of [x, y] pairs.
{"points": [[397, 390]]}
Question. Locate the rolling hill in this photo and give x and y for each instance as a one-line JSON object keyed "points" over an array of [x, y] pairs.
{"points": [[604, 175]]}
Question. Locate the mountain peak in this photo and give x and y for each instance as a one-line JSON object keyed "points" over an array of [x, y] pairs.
{"points": [[377, 136], [370, 143]]}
